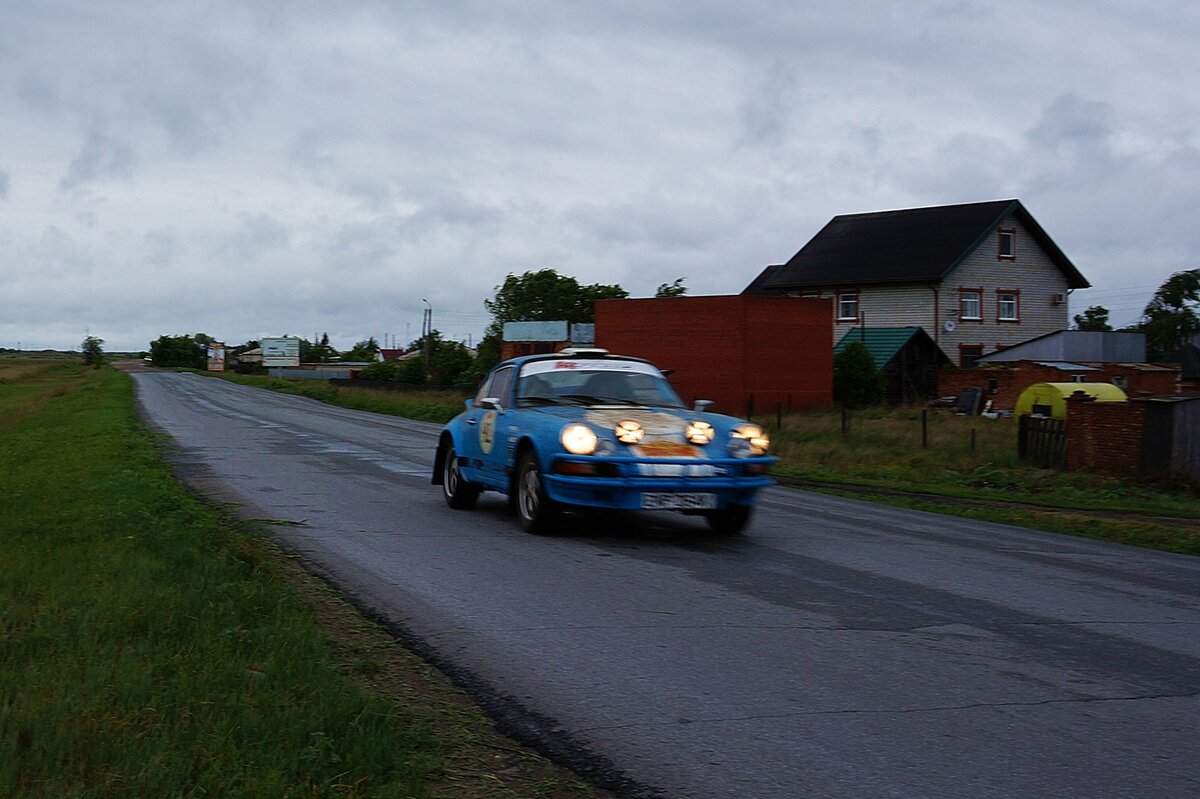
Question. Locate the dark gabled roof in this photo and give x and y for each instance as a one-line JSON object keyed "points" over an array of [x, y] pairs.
{"points": [[883, 342], [912, 245], [756, 288]]}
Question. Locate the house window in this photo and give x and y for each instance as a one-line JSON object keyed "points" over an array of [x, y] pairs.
{"points": [[1006, 238], [848, 306], [1008, 305], [993, 385], [968, 354], [969, 302], [1079, 378], [1121, 382]]}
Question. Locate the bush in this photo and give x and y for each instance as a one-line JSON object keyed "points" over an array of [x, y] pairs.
{"points": [[856, 381], [381, 370]]}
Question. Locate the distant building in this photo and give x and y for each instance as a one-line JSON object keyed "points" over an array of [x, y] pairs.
{"points": [[1075, 345]]}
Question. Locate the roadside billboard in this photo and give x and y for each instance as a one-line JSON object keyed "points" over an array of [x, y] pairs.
{"points": [[284, 351], [216, 356], [534, 331]]}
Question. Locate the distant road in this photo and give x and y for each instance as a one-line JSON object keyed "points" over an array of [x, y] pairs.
{"points": [[838, 649]]}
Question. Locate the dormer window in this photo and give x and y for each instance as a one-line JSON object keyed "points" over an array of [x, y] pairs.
{"points": [[1006, 238]]}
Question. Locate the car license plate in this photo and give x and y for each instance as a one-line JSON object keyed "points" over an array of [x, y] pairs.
{"points": [[683, 501]]}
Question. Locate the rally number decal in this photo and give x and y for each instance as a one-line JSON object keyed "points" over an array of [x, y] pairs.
{"points": [[487, 432]]}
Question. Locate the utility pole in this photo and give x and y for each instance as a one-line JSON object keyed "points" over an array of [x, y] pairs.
{"points": [[427, 330]]}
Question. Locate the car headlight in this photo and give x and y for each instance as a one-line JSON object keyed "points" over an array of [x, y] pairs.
{"points": [[751, 439], [629, 432], [699, 433], [578, 439]]}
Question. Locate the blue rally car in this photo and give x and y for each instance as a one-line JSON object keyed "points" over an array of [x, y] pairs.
{"points": [[583, 428]]}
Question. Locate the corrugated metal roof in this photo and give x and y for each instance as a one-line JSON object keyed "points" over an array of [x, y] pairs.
{"points": [[1067, 367], [882, 342]]}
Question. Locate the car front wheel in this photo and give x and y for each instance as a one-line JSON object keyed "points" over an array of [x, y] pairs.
{"points": [[729, 520], [458, 492], [537, 512]]}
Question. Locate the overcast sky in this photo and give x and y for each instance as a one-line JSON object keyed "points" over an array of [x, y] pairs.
{"points": [[250, 169]]}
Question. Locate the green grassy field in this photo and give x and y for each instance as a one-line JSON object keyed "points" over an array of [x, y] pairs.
{"points": [[151, 647]]}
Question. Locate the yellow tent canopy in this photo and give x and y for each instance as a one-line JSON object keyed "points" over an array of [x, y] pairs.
{"points": [[1050, 399]]}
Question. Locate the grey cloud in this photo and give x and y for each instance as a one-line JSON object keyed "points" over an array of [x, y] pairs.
{"points": [[764, 115], [1070, 121], [255, 236], [101, 156], [162, 247], [4, 183], [37, 92]]}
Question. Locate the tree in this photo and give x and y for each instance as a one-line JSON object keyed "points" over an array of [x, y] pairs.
{"points": [[1094, 318], [1170, 319], [449, 364], [185, 350], [317, 351], [856, 381], [93, 352], [542, 296], [361, 351], [676, 289]]}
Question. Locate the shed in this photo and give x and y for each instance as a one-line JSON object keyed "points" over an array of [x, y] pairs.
{"points": [[907, 358], [1050, 399]]}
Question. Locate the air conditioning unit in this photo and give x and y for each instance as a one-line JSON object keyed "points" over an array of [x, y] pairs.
{"points": [[1058, 298]]}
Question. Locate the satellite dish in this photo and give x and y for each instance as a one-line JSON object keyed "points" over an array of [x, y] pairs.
{"points": [[950, 326]]}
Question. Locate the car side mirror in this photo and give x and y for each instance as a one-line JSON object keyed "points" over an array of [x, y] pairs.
{"points": [[491, 402], [470, 403], [701, 405]]}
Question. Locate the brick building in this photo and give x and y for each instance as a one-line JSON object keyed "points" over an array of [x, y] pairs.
{"points": [[1002, 383], [738, 351]]}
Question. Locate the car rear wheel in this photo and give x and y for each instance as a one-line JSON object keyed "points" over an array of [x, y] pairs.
{"points": [[458, 492], [537, 512], [729, 520]]}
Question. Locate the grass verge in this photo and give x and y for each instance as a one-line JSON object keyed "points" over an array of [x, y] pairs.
{"points": [[434, 405], [151, 647]]}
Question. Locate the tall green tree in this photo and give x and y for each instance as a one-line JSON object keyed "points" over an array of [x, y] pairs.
{"points": [[93, 351], [541, 296], [449, 363], [857, 383], [1170, 319], [1095, 318], [184, 350]]}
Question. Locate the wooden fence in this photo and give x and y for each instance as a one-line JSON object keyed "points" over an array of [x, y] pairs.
{"points": [[1043, 441]]}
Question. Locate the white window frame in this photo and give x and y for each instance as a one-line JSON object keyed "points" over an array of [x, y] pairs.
{"points": [[1015, 303], [977, 296], [844, 298]]}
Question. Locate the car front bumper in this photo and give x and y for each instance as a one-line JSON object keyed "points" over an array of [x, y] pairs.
{"points": [[641, 483]]}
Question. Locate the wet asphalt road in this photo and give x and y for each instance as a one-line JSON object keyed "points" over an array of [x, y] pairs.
{"points": [[837, 649]]}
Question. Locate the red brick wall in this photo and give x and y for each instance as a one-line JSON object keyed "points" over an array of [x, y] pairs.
{"points": [[1011, 381], [729, 349], [1105, 436]]}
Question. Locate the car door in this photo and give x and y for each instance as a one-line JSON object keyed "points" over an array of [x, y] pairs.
{"points": [[482, 444]]}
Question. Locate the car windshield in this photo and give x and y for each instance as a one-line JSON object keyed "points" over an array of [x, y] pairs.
{"points": [[579, 385]]}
